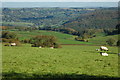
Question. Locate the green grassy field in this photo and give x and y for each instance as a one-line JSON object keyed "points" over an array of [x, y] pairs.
{"points": [[101, 38], [61, 37], [76, 61], [65, 38], [17, 23]]}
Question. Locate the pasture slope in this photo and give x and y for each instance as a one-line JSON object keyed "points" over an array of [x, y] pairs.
{"points": [[67, 62], [70, 61], [20, 24], [100, 38], [62, 38]]}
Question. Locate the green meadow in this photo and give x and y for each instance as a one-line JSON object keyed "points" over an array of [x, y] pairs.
{"points": [[76, 61], [61, 37], [70, 61], [17, 23], [102, 38], [80, 32]]}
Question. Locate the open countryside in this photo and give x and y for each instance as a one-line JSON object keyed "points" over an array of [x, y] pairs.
{"points": [[60, 43]]}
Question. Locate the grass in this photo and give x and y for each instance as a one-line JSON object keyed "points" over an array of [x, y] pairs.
{"points": [[69, 60], [74, 61], [66, 38], [62, 38], [17, 23], [101, 39]]}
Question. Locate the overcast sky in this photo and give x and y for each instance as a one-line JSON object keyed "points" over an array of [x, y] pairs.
{"points": [[60, 0]]}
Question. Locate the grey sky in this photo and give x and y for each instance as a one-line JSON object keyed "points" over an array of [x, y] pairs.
{"points": [[60, 0]]}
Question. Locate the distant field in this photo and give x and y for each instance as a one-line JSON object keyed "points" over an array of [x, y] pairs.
{"points": [[62, 38], [101, 39], [75, 61], [17, 23], [25, 61]]}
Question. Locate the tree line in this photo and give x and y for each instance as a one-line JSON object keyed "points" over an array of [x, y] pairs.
{"points": [[40, 40]]}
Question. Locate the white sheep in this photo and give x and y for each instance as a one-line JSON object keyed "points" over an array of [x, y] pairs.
{"points": [[103, 48], [118, 54], [51, 47], [13, 44], [40, 46], [103, 54], [97, 49]]}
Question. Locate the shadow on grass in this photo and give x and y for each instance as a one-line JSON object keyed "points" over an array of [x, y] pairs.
{"points": [[50, 76], [102, 52]]}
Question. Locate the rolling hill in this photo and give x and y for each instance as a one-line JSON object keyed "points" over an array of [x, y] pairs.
{"points": [[75, 18], [62, 38], [100, 18]]}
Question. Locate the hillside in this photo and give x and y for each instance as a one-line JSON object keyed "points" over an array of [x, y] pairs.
{"points": [[41, 16], [75, 18], [82, 22], [57, 42], [100, 18], [101, 39], [61, 37]]}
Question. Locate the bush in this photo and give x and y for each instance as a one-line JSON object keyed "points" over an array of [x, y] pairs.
{"points": [[111, 41], [81, 39], [56, 45], [44, 41], [37, 45], [12, 41], [7, 44], [17, 43], [9, 35], [26, 41], [4, 40], [118, 43], [9, 40]]}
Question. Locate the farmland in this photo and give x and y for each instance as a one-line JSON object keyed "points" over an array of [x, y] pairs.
{"points": [[69, 60], [65, 38], [17, 23], [74, 61], [62, 38], [101, 39], [59, 43]]}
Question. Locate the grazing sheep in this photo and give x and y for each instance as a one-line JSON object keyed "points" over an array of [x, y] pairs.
{"points": [[103, 48], [13, 44], [97, 49], [118, 54], [40, 46], [51, 47], [103, 54]]}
